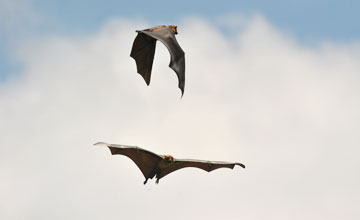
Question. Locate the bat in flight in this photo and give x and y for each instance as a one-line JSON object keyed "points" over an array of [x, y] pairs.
{"points": [[152, 164], [143, 51]]}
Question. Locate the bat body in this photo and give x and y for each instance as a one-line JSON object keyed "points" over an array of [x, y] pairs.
{"points": [[155, 165], [143, 51]]}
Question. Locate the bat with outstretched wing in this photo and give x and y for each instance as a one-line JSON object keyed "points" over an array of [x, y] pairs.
{"points": [[143, 51], [152, 164]]}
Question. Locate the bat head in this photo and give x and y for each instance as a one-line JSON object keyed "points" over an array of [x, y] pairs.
{"points": [[173, 28], [168, 158]]}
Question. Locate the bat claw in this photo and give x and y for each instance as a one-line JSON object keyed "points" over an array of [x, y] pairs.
{"points": [[101, 143]]}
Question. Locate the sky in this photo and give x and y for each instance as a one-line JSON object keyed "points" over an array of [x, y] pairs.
{"points": [[307, 21], [271, 85]]}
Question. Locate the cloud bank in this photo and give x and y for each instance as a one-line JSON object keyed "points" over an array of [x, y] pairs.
{"points": [[287, 111]]}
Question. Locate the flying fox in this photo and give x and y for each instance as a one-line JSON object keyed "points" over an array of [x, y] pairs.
{"points": [[156, 165], [143, 51]]}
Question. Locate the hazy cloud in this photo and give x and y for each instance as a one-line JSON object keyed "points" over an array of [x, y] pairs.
{"points": [[287, 111]]}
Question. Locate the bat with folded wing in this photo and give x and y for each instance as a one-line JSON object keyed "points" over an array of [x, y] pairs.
{"points": [[143, 51]]}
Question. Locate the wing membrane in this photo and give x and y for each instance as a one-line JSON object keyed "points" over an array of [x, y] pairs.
{"points": [[144, 159], [143, 52], [201, 164]]}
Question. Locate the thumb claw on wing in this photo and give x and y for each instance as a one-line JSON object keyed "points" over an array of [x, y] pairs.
{"points": [[101, 143]]}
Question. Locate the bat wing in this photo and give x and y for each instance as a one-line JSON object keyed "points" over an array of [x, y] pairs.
{"points": [[143, 51], [201, 164], [144, 159], [177, 61]]}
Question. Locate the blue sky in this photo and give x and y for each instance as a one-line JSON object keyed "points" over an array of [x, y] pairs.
{"points": [[308, 21], [326, 19]]}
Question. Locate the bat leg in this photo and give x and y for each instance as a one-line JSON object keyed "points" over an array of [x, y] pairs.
{"points": [[145, 181], [158, 176]]}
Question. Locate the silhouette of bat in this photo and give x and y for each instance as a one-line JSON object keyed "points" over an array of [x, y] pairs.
{"points": [[152, 164], [143, 51]]}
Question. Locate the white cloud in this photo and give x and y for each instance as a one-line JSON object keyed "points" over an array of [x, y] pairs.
{"points": [[289, 112]]}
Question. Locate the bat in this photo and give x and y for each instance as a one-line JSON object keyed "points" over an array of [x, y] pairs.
{"points": [[143, 51], [152, 164]]}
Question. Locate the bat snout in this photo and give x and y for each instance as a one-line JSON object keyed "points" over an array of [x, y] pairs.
{"points": [[168, 158]]}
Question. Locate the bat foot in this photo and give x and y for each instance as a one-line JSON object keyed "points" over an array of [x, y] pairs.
{"points": [[145, 181], [157, 181]]}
